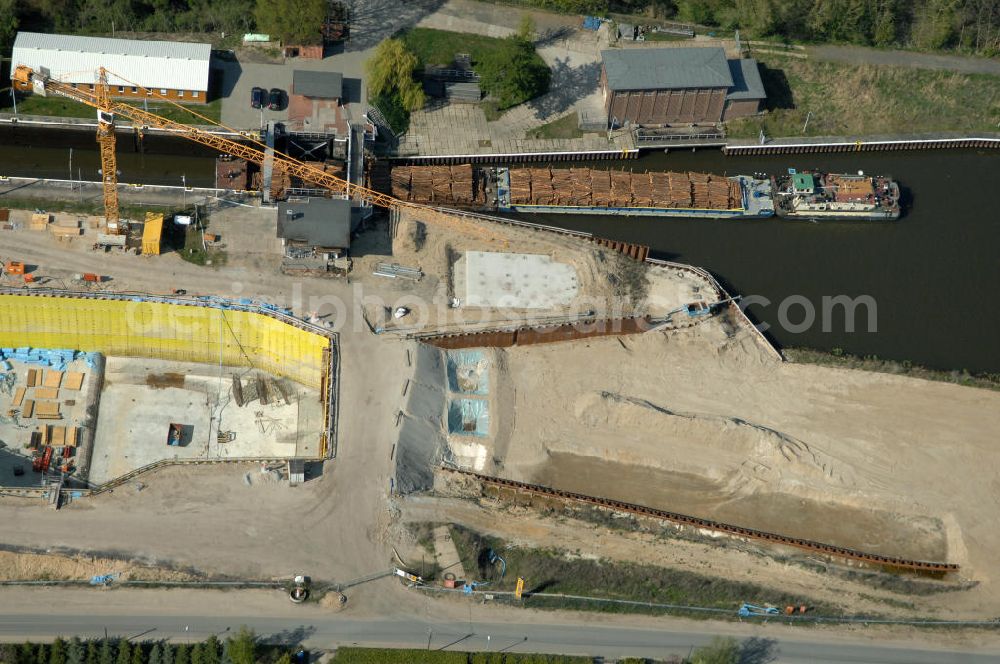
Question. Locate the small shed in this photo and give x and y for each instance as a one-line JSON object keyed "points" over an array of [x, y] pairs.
{"points": [[746, 96], [152, 233]]}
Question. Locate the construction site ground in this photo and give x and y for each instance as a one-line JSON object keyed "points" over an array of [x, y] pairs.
{"points": [[860, 442], [703, 421], [528, 527], [16, 426], [142, 397], [608, 285]]}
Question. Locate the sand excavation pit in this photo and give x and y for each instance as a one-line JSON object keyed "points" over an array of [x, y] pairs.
{"points": [[704, 422]]}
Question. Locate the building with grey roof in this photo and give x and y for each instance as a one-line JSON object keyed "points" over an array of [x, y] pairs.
{"points": [[318, 84], [662, 86], [136, 68], [315, 223]]}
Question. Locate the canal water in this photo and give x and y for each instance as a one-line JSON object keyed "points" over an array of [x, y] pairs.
{"points": [[931, 275], [925, 283]]}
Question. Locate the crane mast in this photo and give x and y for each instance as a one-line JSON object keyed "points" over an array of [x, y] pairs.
{"points": [[109, 165], [109, 108]]}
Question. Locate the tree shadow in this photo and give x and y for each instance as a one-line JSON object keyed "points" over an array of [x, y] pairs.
{"points": [[776, 87], [567, 86], [375, 20], [540, 588], [757, 650], [291, 637]]}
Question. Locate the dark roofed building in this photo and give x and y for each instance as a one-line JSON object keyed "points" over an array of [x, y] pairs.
{"points": [[316, 102], [747, 94], [318, 84], [659, 86], [315, 222]]}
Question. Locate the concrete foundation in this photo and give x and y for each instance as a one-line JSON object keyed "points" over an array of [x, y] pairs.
{"points": [[142, 397], [516, 281]]}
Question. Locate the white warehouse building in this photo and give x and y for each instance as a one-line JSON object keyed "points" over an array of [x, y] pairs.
{"points": [[176, 70]]}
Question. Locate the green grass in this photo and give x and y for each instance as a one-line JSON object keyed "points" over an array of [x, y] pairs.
{"points": [[564, 127], [849, 100], [438, 47], [838, 358], [511, 70], [552, 571], [66, 108], [194, 252], [413, 656], [127, 211], [664, 36]]}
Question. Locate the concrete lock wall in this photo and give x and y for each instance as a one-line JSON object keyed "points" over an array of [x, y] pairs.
{"points": [[164, 331]]}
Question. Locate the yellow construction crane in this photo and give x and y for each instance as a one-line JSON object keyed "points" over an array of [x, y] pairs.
{"points": [[108, 109]]}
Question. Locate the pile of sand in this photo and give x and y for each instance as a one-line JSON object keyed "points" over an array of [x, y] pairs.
{"points": [[704, 422], [15, 566]]}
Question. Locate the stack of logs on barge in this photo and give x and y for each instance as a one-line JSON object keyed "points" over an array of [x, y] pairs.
{"points": [[586, 187], [456, 185]]}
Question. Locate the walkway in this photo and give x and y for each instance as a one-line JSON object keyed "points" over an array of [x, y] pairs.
{"points": [[462, 129], [572, 54]]}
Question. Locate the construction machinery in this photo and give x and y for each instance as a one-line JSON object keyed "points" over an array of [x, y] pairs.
{"points": [[108, 109]]}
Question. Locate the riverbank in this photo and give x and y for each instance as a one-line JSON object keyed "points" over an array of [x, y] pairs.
{"points": [[807, 97], [840, 359]]}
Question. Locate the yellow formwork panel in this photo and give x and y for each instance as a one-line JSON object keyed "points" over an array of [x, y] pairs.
{"points": [[164, 331]]}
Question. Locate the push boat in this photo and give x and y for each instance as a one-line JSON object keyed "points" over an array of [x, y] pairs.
{"points": [[819, 196]]}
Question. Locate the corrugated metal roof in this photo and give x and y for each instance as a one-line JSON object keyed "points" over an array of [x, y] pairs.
{"points": [[317, 84], [666, 68], [746, 80], [151, 64]]}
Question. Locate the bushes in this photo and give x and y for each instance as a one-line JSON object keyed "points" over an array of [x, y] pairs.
{"points": [[392, 86], [513, 73], [510, 70]]}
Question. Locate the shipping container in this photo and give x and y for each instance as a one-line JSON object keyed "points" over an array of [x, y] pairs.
{"points": [[151, 234]]}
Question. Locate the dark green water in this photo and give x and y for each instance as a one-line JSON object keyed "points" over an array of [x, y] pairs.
{"points": [[932, 274]]}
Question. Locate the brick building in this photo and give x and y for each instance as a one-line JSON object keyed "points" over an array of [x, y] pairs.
{"points": [[661, 86], [176, 70]]}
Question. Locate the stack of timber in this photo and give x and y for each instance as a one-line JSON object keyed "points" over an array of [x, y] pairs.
{"points": [[433, 184], [40, 221], [585, 187], [65, 228]]}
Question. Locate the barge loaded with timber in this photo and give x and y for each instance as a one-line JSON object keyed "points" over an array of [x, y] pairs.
{"points": [[581, 191], [806, 195]]}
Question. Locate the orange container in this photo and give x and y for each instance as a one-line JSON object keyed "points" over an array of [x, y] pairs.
{"points": [[15, 267], [89, 276]]}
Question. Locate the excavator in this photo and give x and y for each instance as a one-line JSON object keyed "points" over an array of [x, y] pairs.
{"points": [[108, 109]]}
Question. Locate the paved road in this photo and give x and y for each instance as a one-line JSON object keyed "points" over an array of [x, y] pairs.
{"points": [[328, 631], [861, 55]]}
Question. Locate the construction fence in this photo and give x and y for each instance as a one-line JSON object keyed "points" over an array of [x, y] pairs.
{"points": [[188, 333]]}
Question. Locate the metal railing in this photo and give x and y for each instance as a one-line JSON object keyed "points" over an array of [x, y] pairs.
{"points": [[642, 136]]}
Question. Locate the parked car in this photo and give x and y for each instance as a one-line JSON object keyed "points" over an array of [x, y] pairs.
{"points": [[276, 100], [257, 97]]}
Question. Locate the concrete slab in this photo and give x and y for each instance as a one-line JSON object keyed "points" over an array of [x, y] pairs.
{"points": [[517, 281], [141, 398], [447, 554]]}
